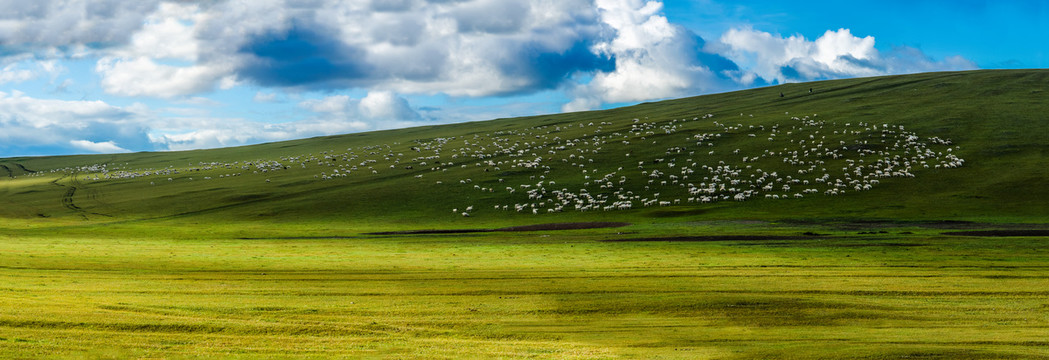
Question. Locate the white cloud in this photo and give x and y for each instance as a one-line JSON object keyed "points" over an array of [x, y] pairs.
{"points": [[461, 48], [436, 47], [167, 33], [835, 54], [204, 132], [264, 97], [385, 105], [45, 123], [163, 58], [142, 76], [335, 114], [653, 58], [24, 68], [595, 51], [14, 73], [335, 104], [107, 147], [71, 23], [377, 110], [904, 59], [33, 125]]}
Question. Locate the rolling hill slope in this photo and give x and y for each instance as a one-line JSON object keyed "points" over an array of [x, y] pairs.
{"points": [[958, 146]]}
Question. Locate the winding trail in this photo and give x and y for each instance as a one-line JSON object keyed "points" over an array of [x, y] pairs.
{"points": [[68, 197], [20, 166], [10, 174]]}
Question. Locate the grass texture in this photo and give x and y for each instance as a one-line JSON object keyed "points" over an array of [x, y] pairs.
{"points": [[812, 225]]}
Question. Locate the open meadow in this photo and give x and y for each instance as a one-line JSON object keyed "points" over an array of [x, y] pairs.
{"points": [[549, 294], [891, 217]]}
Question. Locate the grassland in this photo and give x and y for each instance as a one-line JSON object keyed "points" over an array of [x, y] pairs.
{"points": [[527, 295], [263, 251]]}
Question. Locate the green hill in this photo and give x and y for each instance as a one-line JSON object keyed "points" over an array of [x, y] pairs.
{"points": [[816, 224], [958, 146]]}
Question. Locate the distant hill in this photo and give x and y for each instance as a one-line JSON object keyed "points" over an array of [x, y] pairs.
{"points": [[951, 146]]}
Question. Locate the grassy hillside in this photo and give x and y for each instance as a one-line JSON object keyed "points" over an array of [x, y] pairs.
{"points": [[927, 147], [808, 225]]}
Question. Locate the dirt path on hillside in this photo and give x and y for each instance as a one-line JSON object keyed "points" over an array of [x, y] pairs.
{"points": [[20, 166], [68, 198]]}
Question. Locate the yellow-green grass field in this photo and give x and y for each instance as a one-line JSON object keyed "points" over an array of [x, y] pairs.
{"points": [[545, 294]]}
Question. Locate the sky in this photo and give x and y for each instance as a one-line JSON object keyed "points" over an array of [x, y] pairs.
{"points": [[111, 76]]}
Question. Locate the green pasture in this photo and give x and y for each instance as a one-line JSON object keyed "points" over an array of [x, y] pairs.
{"points": [[265, 251], [994, 120], [907, 292]]}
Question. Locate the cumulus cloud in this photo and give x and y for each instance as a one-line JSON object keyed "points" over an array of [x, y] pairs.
{"points": [[335, 114], [18, 70], [264, 97], [595, 52], [653, 59], [167, 33], [460, 48], [47, 126], [377, 110], [15, 73], [107, 147], [206, 132], [835, 54], [385, 105], [70, 24], [30, 123], [142, 76], [163, 58], [601, 51]]}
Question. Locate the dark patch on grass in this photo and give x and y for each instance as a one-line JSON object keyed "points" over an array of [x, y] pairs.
{"points": [[720, 238], [537, 227], [677, 212], [891, 244], [297, 183], [299, 238], [565, 226], [20, 166], [1000, 233], [247, 197]]}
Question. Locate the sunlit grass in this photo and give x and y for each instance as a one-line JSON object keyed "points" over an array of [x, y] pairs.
{"points": [[543, 295]]}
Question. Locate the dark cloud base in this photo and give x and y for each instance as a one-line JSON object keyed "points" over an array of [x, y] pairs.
{"points": [[303, 56]]}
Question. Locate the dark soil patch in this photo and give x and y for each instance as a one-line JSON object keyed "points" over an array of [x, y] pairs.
{"points": [[871, 225], [721, 238], [537, 227], [565, 226], [1000, 233], [878, 225]]}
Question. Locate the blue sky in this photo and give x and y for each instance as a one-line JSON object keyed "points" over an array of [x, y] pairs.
{"points": [[104, 76]]}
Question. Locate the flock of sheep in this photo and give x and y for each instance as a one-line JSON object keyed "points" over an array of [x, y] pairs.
{"points": [[642, 163]]}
